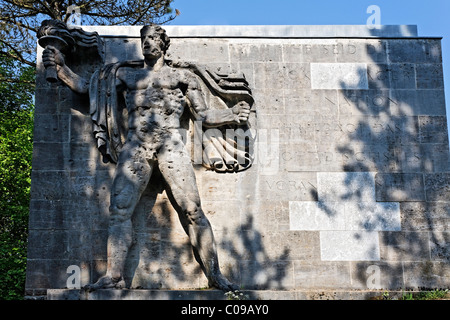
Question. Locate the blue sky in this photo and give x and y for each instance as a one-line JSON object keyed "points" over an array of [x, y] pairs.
{"points": [[431, 16]]}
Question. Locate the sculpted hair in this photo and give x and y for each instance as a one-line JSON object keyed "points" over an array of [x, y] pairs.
{"points": [[160, 32]]}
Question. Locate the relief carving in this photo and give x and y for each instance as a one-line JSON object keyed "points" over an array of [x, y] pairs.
{"points": [[155, 91]]}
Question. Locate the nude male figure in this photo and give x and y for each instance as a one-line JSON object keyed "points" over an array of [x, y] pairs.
{"points": [[156, 96]]}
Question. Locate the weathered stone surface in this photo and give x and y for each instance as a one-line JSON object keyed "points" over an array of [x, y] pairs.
{"points": [[349, 246], [339, 76], [400, 187], [348, 189], [437, 187]]}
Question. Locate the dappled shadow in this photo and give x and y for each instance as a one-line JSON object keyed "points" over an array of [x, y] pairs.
{"points": [[394, 129], [257, 268], [401, 136]]}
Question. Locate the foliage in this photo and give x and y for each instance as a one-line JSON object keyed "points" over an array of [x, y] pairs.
{"points": [[236, 295], [16, 132], [20, 19], [19, 23], [427, 295], [438, 294]]}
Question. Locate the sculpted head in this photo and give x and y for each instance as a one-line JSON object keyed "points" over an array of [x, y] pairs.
{"points": [[154, 41]]}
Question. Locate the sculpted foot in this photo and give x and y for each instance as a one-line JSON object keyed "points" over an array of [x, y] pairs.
{"points": [[222, 283], [106, 282]]}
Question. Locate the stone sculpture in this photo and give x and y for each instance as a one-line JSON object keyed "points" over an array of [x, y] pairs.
{"points": [[156, 92]]}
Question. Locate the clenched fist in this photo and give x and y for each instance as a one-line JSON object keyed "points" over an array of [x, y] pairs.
{"points": [[51, 57], [241, 112]]}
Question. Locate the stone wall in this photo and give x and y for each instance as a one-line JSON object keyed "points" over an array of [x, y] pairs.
{"points": [[349, 190]]}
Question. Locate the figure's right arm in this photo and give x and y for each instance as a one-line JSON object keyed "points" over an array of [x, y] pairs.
{"points": [[53, 57]]}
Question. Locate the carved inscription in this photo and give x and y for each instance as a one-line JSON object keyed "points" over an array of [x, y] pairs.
{"points": [[336, 51], [351, 143], [296, 186]]}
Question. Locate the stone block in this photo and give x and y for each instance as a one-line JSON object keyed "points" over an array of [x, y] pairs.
{"points": [[323, 274], [426, 274], [301, 245], [47, 244], [314, 216], [433, 129], [435, 157], [364, 102], [418, 102], [81, 129], [116, 50], [265, 275], [440, 246], [339, 76], [211, 186], [336, 50], [404, 246], [266, 215], [282, 75], [304, 157], [50, 156], [52, 128], [44, 185], [293, 186], [376, 275], [270, 101], [255, 52], [291, 129], [346, 186], [399, 187], [349, 246], [325, 50], [437, 187], [429, 76], [200, 50], [40, 269], [328, 216], [422, 216], [373, 216], [310, 102], [368, 50], [410, 158], [418, 51], [378, 76], [223, 214], [46, 100], [402, 76]]}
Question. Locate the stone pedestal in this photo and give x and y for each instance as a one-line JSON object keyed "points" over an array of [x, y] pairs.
{"points": [[213, 295]]}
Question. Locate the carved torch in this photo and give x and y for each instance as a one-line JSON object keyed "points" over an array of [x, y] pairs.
{"points": [[54, 33]]}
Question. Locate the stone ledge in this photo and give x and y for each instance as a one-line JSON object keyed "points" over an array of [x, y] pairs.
{"points": [[113, 294], [266, 31]]}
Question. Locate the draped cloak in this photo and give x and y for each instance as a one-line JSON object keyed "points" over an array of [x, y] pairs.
{"points": [[225, 148]]}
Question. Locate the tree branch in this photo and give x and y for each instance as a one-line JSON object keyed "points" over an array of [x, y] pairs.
{"points": [[16, 55]]}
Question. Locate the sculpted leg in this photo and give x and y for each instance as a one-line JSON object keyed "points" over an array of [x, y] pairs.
{"points": [[131, 177], [177, 170]]}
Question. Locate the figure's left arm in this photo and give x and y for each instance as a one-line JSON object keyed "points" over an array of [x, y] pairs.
{"points": [[238, 114]]}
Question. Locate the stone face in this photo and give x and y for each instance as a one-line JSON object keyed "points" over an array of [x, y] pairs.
{"points": [[348, 190]]}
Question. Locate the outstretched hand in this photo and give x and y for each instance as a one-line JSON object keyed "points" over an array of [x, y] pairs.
{"points": [[241, 112]]}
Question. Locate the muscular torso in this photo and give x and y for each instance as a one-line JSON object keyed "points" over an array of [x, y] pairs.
{"points": [[155, 100]]}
